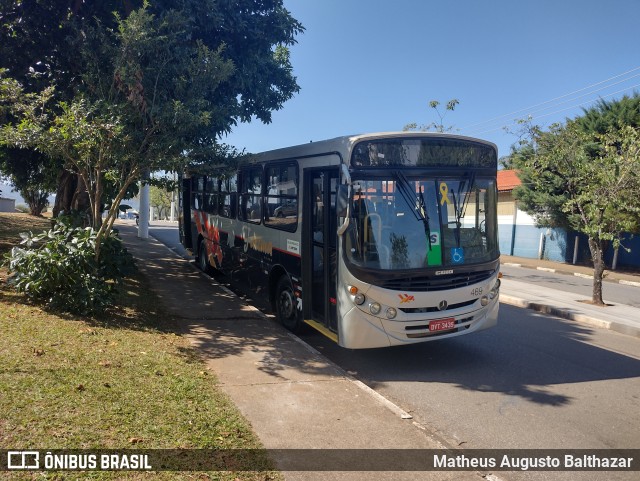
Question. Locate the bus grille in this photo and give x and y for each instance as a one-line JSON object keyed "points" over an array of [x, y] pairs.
{"points": [[423, 310], [437, 283]]}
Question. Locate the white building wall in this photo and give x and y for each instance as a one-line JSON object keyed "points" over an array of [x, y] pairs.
{"points": [[7, 205]]}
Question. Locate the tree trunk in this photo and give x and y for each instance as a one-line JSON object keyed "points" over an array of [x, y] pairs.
{"points": [[595, 246], [72, 195], [81, 201], [67, 185], [36, 200]]}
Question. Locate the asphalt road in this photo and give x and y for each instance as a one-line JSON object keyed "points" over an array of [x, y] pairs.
{"points": [[534, 381]]}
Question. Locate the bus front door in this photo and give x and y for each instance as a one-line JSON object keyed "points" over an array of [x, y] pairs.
{"points": [[320, 239]]}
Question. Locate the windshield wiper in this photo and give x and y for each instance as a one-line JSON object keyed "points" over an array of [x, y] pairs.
{"points": [[460, 210], [422, 210], [417, 203]]}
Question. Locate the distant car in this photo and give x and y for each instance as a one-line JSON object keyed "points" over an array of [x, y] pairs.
{"points": [[285, 210]]}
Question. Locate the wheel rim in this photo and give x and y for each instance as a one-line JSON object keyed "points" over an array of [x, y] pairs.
{"points": [[286, 304]]}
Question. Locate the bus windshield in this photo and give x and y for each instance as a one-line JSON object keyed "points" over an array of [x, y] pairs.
{"points": [[413, 222]]}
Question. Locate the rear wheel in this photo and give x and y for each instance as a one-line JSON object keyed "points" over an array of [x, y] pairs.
{"points": [[287, 305]]}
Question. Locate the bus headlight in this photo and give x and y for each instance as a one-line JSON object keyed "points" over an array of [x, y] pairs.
{"points": [[359, 298], [484, 300], [495, 289], [391, 313], [375, 308]]}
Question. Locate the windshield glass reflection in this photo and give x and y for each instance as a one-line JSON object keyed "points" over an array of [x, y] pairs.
{"points": [[410, 223]]}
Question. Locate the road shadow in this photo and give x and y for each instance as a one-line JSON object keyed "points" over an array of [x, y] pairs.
{"points": [[525, 355]]}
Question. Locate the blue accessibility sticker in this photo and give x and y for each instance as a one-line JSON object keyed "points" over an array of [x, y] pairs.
{"points": [[457, 255]]}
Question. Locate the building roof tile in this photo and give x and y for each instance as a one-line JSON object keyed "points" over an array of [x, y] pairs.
{"points": [[507, 180]]}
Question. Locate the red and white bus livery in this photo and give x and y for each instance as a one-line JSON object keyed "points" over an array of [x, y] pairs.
{"points": [[375, 240]]}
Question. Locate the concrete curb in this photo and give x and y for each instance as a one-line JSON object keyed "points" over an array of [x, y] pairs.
{"points": [[572, 316]]}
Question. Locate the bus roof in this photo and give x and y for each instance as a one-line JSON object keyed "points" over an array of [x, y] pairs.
{"points": [[343, 145]]}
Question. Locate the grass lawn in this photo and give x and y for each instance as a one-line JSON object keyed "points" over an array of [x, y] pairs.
{"points": [[12, 224], [123, 380]]}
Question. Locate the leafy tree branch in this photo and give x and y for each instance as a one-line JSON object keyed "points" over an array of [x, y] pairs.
{"points": [[583, 179]]}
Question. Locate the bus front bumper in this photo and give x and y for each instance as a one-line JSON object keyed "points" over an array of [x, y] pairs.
{"points": [[359, 330]]}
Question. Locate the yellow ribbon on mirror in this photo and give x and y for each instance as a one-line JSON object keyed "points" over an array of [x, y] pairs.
{"points": [[444, 193]]}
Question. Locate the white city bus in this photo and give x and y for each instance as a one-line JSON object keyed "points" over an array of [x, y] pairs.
{"points": [[375, 240]]}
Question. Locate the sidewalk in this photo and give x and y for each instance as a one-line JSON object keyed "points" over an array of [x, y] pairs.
{"points": [[293, 396], [575, 307], [627, 277]]}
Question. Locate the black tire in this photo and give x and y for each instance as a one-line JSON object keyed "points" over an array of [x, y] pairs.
{"points": [[286, 306], [202, 260]]}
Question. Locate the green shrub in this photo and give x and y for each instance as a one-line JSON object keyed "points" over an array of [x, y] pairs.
{"points": [[58, 267]]}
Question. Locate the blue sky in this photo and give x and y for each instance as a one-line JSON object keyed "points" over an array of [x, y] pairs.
{"points": [[373, 65]]}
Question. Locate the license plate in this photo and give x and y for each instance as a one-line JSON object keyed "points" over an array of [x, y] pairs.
{"points": [[442, 325]]}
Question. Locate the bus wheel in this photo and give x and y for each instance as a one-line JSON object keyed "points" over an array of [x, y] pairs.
{"points": [[286, 305], [203, 261]]}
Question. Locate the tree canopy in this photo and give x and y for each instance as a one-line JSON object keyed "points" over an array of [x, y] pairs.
{"points": [[41, 41], [608, 115], [152, 87], [438, 127], [31, 174], [584, 175]]}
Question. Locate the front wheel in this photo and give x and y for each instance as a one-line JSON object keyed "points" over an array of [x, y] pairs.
{"points": [[287, 305]]}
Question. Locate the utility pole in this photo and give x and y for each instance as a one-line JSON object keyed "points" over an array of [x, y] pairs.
{"points": [[172, 215], [143, 220]]}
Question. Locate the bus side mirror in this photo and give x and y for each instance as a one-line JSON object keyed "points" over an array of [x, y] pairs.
{"points": [[342, 206], [342, 200]]}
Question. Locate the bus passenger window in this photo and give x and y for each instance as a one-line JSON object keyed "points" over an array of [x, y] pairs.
{"points": [[251, 195], [281, 200], [228, 197], [197, 187], [211, 203]]}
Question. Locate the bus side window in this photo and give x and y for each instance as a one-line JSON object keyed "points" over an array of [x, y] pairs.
{"points": [[251, 195], [228, 197], [211, 195], [197, 192], [281, 199]]}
